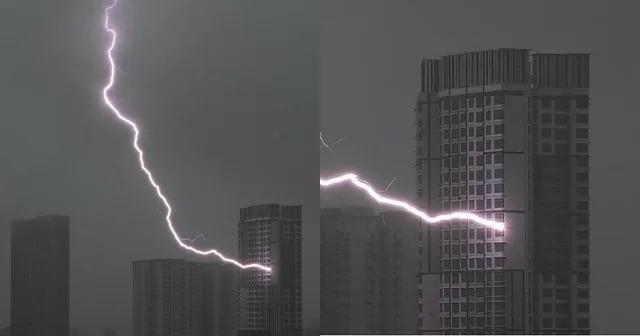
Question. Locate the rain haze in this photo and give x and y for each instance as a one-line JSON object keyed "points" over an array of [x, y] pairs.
{"points": [[370, 54], [225, 93]]}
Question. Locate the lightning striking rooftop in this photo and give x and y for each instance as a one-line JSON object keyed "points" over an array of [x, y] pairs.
{"points": [[326, 183]]}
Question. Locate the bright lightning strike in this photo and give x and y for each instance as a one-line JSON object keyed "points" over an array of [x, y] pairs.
{"points": [[136, 133], [346, 178], [366, 187]]}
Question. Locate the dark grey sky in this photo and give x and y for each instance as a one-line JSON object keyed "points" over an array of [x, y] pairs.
{"points": [[370, 52], [226, 94]]}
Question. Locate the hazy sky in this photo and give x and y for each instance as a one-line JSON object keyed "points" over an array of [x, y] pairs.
{"points": [[225, 92], [369, 55]]}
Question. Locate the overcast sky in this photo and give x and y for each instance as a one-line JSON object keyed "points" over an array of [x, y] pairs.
{"points": [[225, 92], [369, 55]]}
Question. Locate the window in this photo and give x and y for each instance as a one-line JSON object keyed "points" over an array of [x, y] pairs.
{"points": [[581, 234], [562, 148], [562, 134], [583, 293], [582, 133], [562, 293], [498, 173], [547, 307], [582, 102], [545, 118], [471, 117], [499, 261], [499, 247], [479, 116], [547, 293], [562, 104], [562, 323], [582, 263], [463, 117], [582, 249], [582, 161], [582, 118], [582, 147], [498, 158], [488, 145], [488, 115], [545, 103], [582, 219], [499, 203], [562, 308], [487, 130], [582, 177], [479, 131], [546, 148], [583, 308], [547, 322], [583, 323], [498, 129], [546, 133], [498, 143], [488, 174], [498, 188], [583, 277], [582, 191], [582, 206], [498, 115]]}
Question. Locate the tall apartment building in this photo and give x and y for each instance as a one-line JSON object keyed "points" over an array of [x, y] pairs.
{"points": [[177, 297], [271, 302], [504, 133], [368, 266], [40, 276]]}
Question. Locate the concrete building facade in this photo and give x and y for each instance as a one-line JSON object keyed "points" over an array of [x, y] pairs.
{"points": [[270, 303], [40, 276], [177, 297], [504, 134], [368, 264]]}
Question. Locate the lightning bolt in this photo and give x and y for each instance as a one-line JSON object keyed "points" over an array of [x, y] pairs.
{"points": [[136, 134], [363, 185], [326, 183]]}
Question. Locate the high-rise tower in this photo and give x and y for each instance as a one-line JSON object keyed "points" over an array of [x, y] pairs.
{"points": [[40, 276], [271, 302], [504, 133]]}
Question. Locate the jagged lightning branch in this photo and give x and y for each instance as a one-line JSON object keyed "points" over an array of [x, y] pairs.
{"points": [[193, 240], [366, 187], [136, 133]]}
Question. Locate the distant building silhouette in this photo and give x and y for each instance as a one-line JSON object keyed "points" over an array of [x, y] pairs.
{"points": [[177, 297], [505, 134], [40, 276], [109, 332], [271, 303], [368, 267]]}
